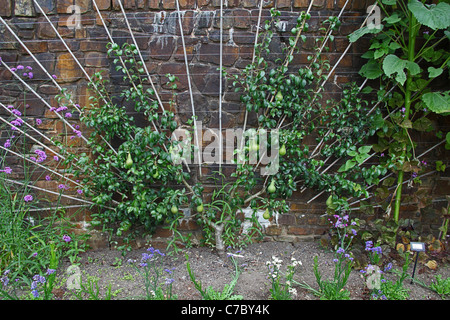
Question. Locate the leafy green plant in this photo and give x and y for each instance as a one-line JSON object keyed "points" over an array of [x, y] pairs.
{"points": [[282, 289], [152, 271], [210, 293], [343, 261], [441, 286], [90, 290], [407, 54]]}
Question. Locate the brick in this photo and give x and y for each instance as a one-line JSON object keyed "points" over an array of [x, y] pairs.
{"points": [[303, 4], [227, 20], [203, 3], [273, 230], [34, 47], [24, 8], [44, 30], [102, 4], [98, 45], [162, 232], [286, 219], [169, 4], [64, 6], [162, 47], [249, 3], [67, 69], [96, 59], [187, 4], [176, 69], [244, 37], [211, 53], [188, 225], [154, 4], [5, 8], [296, 230], [241, 18], [179, 53], [283, 4]]}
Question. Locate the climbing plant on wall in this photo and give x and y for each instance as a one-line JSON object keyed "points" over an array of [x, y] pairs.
{"points": [[408, 56]]}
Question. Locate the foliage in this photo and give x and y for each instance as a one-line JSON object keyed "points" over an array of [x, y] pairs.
{"points": [[28, 241], [91, 290], [282, 290], [118, 177], [289, 99], [152, 270], [210, 293], [441, 286], [408, 54], [343, 261]]}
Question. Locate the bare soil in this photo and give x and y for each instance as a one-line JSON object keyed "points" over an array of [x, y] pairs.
{"points": [[109, 267]]}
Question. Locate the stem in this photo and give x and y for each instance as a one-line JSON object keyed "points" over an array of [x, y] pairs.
{"points": [[411, 57]]}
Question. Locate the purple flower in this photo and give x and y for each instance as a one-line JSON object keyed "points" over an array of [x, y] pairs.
{"points": [[50, 271], [369, 245], [17, 122], [62, 108], [340, 251], [20, 67], [66, 238], [7, 170], [56, 158], [30, 75], [16, 112], [35, 254], [28, 198], [54, 76], [38, 121], [80, 191], [377, 250], [48, 178], [7, 143], [13, 69], [29, 68], [35, 293], [61, 186], [68, 115]]}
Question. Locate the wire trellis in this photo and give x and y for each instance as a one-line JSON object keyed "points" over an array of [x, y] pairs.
{"points": [[125, 18]]}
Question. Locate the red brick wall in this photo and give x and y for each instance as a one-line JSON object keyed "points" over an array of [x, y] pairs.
{"points": [[156, 29]]}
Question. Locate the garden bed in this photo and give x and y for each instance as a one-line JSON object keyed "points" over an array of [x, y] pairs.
{"points": [[108, 267]]}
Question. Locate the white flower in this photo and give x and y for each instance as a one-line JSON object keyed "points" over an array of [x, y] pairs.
{"points": [[293, 291]]}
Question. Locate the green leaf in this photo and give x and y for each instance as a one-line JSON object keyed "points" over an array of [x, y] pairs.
{"points": [[389, 2], [371, 70], [412, 67], [394, 18], [423, 124], [438, 102], [347, 166], [434, 72], [364, 149], [447, 137], [407, 124], [435, 16], [394, 65], [353, 37]]}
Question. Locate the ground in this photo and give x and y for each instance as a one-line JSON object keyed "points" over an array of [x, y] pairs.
{"points": [[110, 268]]}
